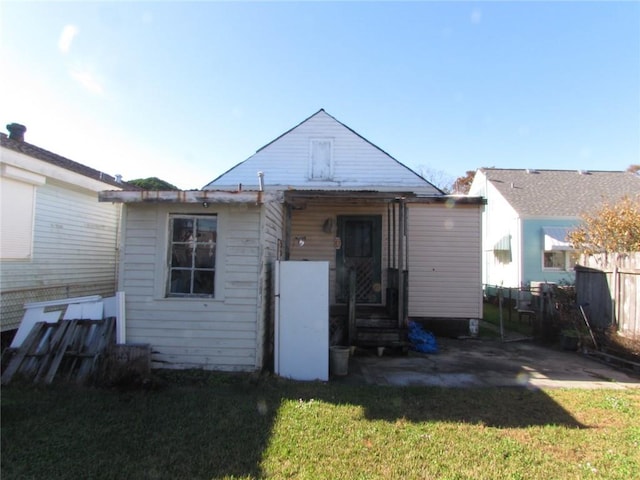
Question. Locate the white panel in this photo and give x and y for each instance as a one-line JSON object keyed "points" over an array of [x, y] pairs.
{"points": [[321, 159], [16, 219], [84, 311], [302, 328], [31, 317], [114, 307]]}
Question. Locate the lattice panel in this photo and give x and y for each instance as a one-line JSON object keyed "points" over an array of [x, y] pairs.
{"points": [[365, 280]]}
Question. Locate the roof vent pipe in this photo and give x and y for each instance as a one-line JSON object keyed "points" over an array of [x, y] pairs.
{"points": [[118, 178], [260, 181], [16, 131]]}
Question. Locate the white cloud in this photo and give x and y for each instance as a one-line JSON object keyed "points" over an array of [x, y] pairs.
{"points": [[69, 32], [88, 81], [476, 16]]}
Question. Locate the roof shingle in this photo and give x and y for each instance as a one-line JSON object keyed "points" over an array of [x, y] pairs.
{"points": [[60, 161], [561, 193]]}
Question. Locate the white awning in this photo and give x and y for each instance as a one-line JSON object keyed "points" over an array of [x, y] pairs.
{"points": [[502, 244], [555, 238]]}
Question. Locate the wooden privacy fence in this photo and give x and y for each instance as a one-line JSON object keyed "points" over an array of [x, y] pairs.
{"points": [[607, 285]]}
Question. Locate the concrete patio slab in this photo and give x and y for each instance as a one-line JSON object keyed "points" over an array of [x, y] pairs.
{"points": [[464, 363]]}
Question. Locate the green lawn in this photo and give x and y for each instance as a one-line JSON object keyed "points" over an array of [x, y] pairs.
{"points": [[204, 426]]}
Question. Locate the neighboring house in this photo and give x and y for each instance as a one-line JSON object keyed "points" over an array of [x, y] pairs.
{"points": [[56, 239], [528, 215], [197, 266]]}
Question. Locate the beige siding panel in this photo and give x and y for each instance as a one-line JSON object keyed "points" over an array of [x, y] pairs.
{"points": [[320, 245], [219, 333], [444, 261]]}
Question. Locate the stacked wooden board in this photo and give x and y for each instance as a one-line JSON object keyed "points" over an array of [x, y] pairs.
{"points": [[69, 349]]}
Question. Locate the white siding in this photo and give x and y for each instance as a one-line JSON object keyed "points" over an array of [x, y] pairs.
{"points": [[444, 261], [356, 163], [499, 220], [74, 251], [222, 333]]}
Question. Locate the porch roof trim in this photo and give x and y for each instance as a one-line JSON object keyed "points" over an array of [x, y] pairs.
{"points": [[189, 196], [408, 197]]}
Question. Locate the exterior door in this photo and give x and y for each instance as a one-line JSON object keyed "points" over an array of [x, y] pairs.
{"points": [[360, 249]]}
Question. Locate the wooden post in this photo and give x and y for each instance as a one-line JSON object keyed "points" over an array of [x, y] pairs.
{"points": [[352, 306], [401, 264], [500, 295]]}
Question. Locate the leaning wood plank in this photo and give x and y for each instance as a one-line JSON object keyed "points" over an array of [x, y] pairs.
{"points": [[61, 349], [76, 346], [107, 338], [32, 361], [16, 361], [86, 351], [103, 335], [54, 345]]}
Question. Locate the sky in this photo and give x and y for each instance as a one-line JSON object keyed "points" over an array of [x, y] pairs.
{"points": [[184, 91]]}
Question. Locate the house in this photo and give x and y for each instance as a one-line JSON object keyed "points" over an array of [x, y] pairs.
{"points": [[528, 215], [56, 239], [197, 266]]}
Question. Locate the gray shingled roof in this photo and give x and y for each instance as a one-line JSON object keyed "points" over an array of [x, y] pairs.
{"points": [[562, 193], [54, 159]]}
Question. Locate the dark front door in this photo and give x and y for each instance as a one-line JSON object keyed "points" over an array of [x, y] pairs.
{"points": [[360, 249]]}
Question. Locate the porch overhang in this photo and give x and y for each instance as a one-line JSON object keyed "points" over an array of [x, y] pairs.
{"points": [[373, 196], [190, 196]]}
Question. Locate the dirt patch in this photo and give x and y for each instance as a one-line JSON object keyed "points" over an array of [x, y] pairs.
{"points": [[609, 341]]}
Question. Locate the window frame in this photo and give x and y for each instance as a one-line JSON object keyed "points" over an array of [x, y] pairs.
{"points": [[312, 143], [193, 268], [567, 265]]}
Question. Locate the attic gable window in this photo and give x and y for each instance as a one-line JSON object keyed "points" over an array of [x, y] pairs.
{"points": [[192, 255], [321, 164]]}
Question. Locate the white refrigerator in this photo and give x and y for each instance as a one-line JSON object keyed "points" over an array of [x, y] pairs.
{"points": [[302, 320]]}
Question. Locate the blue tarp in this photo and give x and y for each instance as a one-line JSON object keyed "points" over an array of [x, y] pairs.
{"points": [[421, 340]]}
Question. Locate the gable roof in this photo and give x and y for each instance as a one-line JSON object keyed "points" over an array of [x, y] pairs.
{"points": [[560, 193], [60, 161], [358, 164]]}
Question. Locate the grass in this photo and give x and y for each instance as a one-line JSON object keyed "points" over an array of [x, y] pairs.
{"points": [[201, 425]]}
